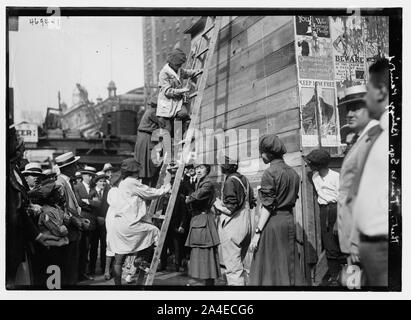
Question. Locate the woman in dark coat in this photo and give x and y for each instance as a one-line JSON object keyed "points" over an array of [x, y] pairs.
{"points": [[275, 260], [203, 236], [144, 145]]}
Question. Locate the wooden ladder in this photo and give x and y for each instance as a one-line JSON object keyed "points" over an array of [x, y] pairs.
{"points": [[203, 55]]}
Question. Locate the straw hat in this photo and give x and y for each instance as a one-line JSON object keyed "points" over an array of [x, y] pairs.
{"points": [[353, 94], [108, 167], [33, 169], [88, 170], [66, 159]]}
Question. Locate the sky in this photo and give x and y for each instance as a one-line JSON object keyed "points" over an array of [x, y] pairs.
{"points": [[44, 61]]}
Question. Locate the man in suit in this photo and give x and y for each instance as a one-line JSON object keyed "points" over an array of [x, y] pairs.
{"points": [[98, 198], [20, 228], [359, 121], [82, 192], [67, 164], [371, 206]]}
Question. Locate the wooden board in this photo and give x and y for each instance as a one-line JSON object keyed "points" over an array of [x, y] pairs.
{"points": [[320, 269], [232, 64], [245, 91], [245, 33]]}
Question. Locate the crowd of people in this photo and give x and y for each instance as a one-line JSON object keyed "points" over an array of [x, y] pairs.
{"points": [[71, 215]]}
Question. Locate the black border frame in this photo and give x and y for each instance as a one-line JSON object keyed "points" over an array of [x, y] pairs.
{"points": [[395, 47]]}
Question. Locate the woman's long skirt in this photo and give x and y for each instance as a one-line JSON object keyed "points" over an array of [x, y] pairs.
{"points": [[275, 263], [204, 263], [142, 154]]}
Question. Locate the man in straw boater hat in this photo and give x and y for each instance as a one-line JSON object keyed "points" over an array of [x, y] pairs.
{"points": [[33, 174], [20, 228], [82, 192], [235, 223], [275, 261], [67, 166], [359, 122]]}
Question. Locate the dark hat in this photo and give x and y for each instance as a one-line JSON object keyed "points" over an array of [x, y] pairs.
{"points": [[130, 165], [172, 168], [203, 164], [88, 170], [229, 164], [99, 175], [270, 143], [318, 157], [354, 94], [177, 56]]}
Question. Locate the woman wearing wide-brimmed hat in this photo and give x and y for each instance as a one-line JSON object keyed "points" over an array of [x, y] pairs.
{"points": [[203, 235], [129, 230]]}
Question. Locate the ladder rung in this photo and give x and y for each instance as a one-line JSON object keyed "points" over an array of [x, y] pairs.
{"points": [[207, 31], [201, 53], [197, 74], [194, 94], [158, 216]]}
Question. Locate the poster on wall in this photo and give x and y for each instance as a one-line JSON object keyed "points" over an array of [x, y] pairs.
{"points": [[314, 49], [357, 43], [348, 48], [326, 110], [376, 39]]}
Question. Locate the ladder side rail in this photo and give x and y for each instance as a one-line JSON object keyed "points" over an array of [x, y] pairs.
{"points": [[186, 150]]}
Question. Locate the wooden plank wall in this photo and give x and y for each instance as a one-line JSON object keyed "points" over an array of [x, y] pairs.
{"points": [[252, 84]]}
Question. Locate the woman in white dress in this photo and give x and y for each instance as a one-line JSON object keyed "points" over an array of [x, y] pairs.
{"points": [[129, 230]]}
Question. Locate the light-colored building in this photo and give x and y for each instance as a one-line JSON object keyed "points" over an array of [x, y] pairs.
{"points": [[84, 118]]}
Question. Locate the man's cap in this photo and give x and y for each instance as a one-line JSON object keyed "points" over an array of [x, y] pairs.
{"points": [[318, 157], [270, 143]]}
